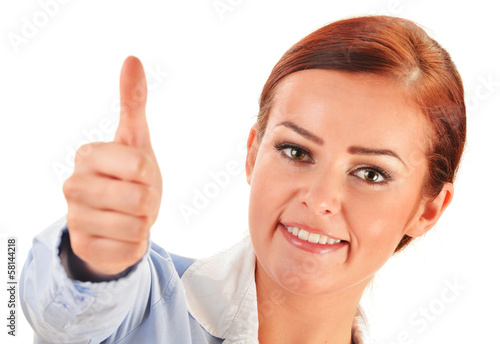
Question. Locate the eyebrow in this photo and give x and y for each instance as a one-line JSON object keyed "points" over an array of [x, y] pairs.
{"points": [[374, 151], [302, 132], [352, 150]]}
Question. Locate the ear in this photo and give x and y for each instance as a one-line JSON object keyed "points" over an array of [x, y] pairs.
{"points": [[252, 149], [430, 211]]}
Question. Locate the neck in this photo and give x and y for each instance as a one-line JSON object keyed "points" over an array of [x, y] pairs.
{"points": [[287, 317]]}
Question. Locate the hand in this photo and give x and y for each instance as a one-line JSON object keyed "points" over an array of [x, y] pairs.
{"points": [[115, 190]]}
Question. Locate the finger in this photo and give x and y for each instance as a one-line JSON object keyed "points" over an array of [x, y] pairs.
{"points": [[133, 128], [108, 224], [113, 194], [117, 161]]}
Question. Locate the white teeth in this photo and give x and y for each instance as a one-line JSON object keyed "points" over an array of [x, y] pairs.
{"points": [[312, 237], [303, 235]]}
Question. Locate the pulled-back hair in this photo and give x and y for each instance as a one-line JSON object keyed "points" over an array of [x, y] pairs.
{"points": [[399, 49]]}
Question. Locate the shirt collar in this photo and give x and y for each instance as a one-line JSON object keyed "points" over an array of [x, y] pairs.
{"points": [[221, 296]]}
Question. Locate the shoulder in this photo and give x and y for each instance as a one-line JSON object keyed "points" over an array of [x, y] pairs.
{"points": [[181, 263]]}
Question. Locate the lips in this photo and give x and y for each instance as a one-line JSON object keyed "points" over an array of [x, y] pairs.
{"points": [[311, 239]]}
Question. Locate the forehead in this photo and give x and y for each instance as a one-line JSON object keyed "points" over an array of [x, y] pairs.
{"points": [[364, 109]]}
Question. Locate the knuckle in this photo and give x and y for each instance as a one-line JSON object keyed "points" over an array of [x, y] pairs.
{"points": [[137, 230], [141, 230], [72, 188], [135, 254], [69, 187], [139, 94], [141, 166], [77, 222], [83, 151], [146, 201], [142, 201], [134, 98]]}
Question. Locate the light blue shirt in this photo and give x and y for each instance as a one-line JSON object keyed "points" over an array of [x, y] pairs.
{"points": [[164, 299]]}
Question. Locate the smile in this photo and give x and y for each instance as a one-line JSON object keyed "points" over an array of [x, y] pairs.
{"points": [[311, 237]]}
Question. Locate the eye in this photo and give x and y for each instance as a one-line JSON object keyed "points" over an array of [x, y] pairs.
{"points": [[371, 175], [294, 152]]}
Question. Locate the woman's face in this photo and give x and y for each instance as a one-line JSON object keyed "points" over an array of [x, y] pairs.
{"points": [[342, 158]]}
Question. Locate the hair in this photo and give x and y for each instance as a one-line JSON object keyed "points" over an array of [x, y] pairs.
{"points": [[399, 49]]}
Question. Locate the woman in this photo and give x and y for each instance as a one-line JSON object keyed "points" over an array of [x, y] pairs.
{"points": [[358, 139]]}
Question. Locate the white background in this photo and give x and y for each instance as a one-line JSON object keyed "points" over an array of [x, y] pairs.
{"points": [[58, 86]]}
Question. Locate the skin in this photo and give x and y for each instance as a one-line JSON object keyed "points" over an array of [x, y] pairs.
{"points": [[318, 180], [115, 192]]}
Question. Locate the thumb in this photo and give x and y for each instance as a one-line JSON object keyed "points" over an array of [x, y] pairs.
{"points": [[133, 128]]}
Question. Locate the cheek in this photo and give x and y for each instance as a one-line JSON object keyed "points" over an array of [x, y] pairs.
{"points": [[272, 189], [261, 199], [269, 190], [378, 221]]}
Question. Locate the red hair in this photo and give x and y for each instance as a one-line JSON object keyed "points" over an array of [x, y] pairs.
{"points": [[399, 49]]}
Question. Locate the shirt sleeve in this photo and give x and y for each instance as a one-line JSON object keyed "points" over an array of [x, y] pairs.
{"points": [[67, 311]]}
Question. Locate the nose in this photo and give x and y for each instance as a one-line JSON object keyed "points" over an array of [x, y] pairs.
{"points": [[322, 195]]}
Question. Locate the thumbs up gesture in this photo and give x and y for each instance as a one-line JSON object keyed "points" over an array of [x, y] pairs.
{"points": [[115, 190]]}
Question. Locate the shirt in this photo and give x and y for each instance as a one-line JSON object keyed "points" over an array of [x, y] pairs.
{"points": [[164, 299]]}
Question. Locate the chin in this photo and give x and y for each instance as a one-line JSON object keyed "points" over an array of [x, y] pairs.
{"points": [[304, 278]]}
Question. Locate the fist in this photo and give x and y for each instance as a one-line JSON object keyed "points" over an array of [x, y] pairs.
{"points": [[115, 190]]}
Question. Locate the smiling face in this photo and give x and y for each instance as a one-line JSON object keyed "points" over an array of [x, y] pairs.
{"points": [[342, 158]]}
